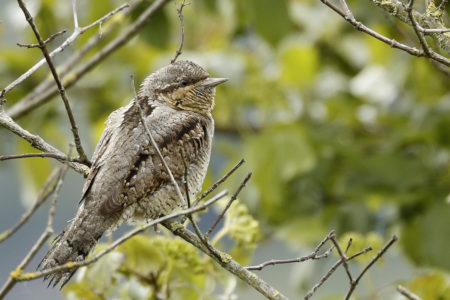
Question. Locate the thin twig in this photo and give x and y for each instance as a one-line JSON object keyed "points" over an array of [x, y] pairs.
{"points": [[44, 193], [393, 43], [312, 256], [38, 142], [11, 281], [47, 92], [354, 284], [61, 89], [71, 265], [408, 294], [48, 40], [433, 30], [344, 258], [180, 15], [149, 134], [42, 155], [59, 49], [331, 271], [218, 182], [419, 34], [241, 186]]}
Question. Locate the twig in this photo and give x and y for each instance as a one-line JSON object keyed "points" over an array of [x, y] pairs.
{"points": [[344, 258], [393, 43], [408, 294], [433, 30], [419, 34], [379, 254], [70, 265], [67, 42], [43, 155], [61, 89], [44, 193], [149, 134], [312, 256], [47, 92], [218, 182], [180, 15], [38, 142], [12, 280], [51, 38], [227, 263], [331, 271], [241, 186]]}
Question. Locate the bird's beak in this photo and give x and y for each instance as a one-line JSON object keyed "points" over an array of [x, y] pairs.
{"points": [[212, 82]]}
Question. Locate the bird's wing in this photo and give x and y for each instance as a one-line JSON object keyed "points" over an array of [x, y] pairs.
{"points": [[100, 150], [137, 169]]}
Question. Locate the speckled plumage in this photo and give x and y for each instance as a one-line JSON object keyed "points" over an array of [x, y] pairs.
{"points": [[127, 180]]}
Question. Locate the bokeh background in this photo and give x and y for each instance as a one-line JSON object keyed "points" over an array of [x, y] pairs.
{"points": [[340, 131]]}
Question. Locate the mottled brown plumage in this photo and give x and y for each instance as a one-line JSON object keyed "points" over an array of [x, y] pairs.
{"points": [[128, 181]]}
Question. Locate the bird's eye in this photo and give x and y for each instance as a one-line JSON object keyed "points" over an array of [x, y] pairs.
{"points": [[184, 82]]}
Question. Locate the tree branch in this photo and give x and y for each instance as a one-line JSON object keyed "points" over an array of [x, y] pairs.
{"points": [[61, 89], [37, 142], [180, 15], [27, 104], [312, 256], [393, 43], [405, 292], [226, 262], [67, 42], [20, 276]]}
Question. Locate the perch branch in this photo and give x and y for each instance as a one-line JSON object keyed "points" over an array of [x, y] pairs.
{"points": [[19, 276]]}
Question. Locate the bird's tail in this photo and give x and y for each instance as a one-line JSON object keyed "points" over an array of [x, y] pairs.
{"points": [[73, 245]]}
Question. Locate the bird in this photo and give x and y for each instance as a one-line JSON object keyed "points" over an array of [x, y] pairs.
{"points": [[128, 181]]}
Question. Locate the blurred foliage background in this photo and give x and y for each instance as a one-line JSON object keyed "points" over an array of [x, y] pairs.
{"points": [[340, 131]]}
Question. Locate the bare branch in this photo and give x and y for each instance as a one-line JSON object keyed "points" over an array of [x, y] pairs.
{"points": [[59, 49], [370, 264], [312, 256], [393, 43], [46, 92], [48, 40], [38, 142], [227, 262], [180, 15], [42, 155], [218, 182], [344, 258], [241, 186], [331, 271], [61, 89], [19, 276], [408, 294]]}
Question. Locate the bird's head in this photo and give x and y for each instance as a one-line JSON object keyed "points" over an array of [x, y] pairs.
{"points": [[183, 85]]}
